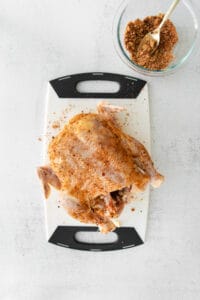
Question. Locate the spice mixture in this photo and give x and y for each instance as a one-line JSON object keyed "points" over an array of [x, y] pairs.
{"points": [[162, 56]]}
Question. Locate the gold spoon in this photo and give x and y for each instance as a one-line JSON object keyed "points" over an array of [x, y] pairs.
{"points": [[152, 39]]}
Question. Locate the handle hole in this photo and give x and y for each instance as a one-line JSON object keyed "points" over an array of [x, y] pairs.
{"points": [[98, 86], [95, 237]]}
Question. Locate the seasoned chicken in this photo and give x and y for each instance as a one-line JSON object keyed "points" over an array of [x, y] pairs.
{"points": [[96, 166]]}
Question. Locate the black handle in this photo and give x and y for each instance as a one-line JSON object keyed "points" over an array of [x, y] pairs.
{"points": [[65, 87], [65, 236]]}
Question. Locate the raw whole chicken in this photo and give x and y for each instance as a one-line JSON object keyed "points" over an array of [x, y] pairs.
{"points": [[96, 167]]}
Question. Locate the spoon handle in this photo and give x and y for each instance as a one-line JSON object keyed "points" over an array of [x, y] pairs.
{"points": [[169, 12]]}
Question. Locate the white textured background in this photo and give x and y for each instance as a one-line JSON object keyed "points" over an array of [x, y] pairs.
{"points": [[42, 40]]}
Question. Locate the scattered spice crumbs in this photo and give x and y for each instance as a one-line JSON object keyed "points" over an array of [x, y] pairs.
{"points": [[56, 125]]}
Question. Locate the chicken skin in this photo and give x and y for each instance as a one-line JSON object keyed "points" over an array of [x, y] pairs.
{"points": [[96, 166]]}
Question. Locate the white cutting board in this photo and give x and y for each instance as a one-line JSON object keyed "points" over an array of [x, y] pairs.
{"points": [[136, 122]]}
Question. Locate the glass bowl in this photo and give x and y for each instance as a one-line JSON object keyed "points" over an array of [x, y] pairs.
{"points": [[184, 19]]}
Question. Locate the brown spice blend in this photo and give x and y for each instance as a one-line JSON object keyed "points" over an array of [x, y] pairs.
{"points": [[135, 32]]}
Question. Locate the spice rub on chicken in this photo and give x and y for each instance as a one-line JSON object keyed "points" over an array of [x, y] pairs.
{"points": [[96, 166]]}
